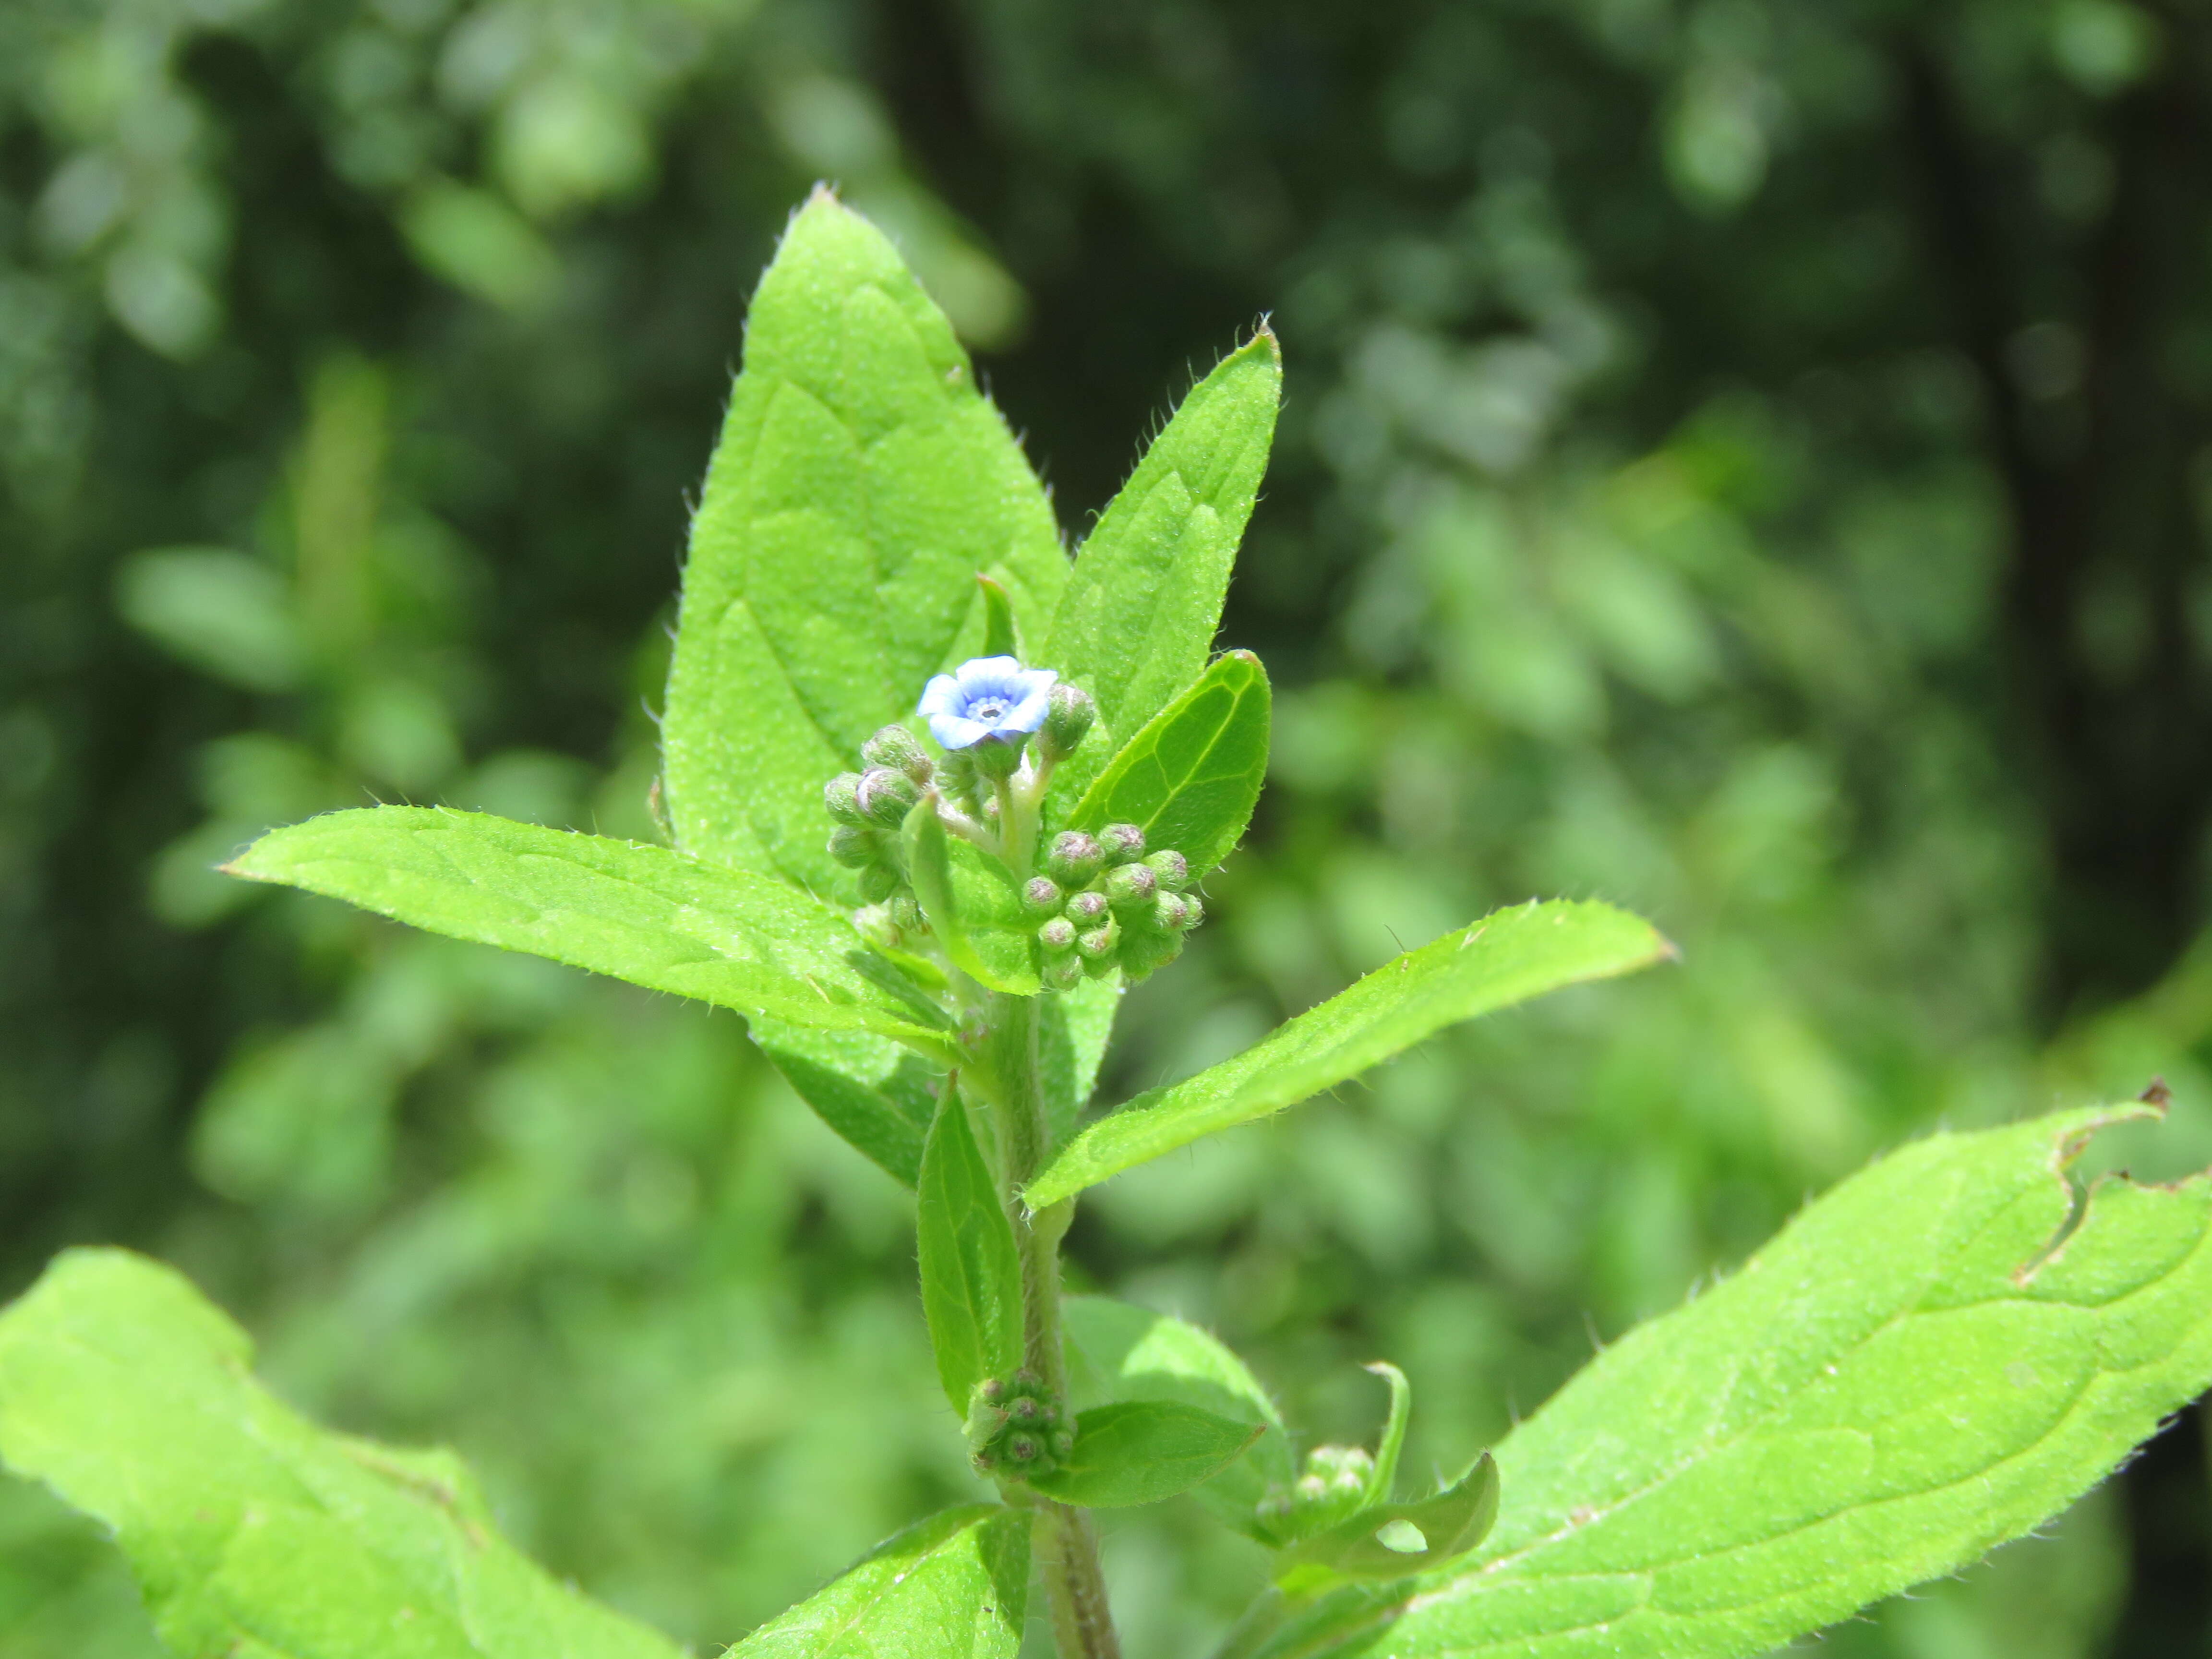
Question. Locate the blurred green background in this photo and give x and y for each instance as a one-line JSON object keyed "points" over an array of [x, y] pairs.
{"points": [[1748, 459]]}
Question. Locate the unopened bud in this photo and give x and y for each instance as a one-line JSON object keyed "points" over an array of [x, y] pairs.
{"points": [[896, 748], [1145, 953], [996, 758], [1063, 1443], [1063, 973], [1057, 936], [1021, 1448], [1085, 909], [1098, 944], [879, 882], [1194, 912], [907, 915], [1170, 912], [1069, 715], [1121, 842], [1129, 885], [1074, 858], [1171, 867], [841, 795], [1041, 896], [853, 847], [886, 797]]}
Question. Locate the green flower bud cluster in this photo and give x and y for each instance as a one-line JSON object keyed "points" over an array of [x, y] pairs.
{"points": [[1106, 904], [1332, 1489], [868, 807], [1015, 1429]]}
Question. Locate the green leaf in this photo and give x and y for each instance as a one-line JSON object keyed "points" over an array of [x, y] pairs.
{"points": [[877, 1094], [971, 1270], [1117, 1352], [252, 1531], [973, 903], [1937, 1357], [1450, 1524], [642, 914], [1139, 612], [1393, 1443], [955, 1587], [999, 637], [1074, 1029], [1507, 958], [860, 484], [1189, 778], [1139, 1451], [217, 610]]}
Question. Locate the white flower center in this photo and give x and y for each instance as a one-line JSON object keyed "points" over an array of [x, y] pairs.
{"points": [[988, 710]]}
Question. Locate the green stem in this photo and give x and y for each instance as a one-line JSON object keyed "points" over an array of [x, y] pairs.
{"points": [[1082, 1623]]}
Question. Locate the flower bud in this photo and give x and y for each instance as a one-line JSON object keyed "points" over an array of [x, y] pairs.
{"points": [[1069, 715], [1074, 858], [1057, 936], [1041, 896], [1098, 944], [896, 748], [1171, 867], [1129, 885], [1170, 912], [1194, 912], [905, 915], [996, 758], [1063, 973], [886, 797], [841, 795], [1121, 842], [879, 882], [1145, 953], [853, 847], [1085, 909]]}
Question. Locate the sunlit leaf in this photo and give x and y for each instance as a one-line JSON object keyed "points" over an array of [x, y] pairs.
{"points": [[1140, 1451]]}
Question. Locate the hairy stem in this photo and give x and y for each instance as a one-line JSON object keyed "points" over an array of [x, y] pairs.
{"points": [[1082, 1622]]}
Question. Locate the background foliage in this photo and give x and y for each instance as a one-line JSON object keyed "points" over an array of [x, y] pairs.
{"points": [[1743, 459]]}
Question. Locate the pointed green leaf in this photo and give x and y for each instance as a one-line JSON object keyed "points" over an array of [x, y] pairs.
{"points": [[971, 1270], [251, 1530], [1139, 612], [955, 1587], [1393, 1444], [1450, 1524], [1000, 639], [643, 913], [1935, 1357], [860, 484], [973, 903], [1139, 1451], [1119, 1352], [878, 1095], [1507, 958], [1188, 780]]}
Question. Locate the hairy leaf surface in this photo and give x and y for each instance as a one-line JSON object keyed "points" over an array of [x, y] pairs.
{"points": [[1507, 958], [1139, 1451], [1188, 780], [955, 1587], [252, 1531], [876, 1093], [860, 484], [1924, 1364], [971, 1271], [643, 913], [1139, 612]]}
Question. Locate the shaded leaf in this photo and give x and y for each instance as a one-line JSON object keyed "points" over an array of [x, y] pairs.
{"points": [[1074, 1029], [859, 485], [1190, 777], [1507, 958], [251, 1530], [1139, 612], [642, 914], [1926, 1362], [973, 904], [955, 1587], [971, 1269], [878, 1095], [1140, 1451]]}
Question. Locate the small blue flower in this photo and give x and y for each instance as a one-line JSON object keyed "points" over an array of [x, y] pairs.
{"points": [[986, 697]]}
